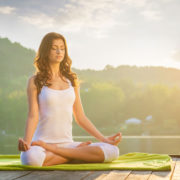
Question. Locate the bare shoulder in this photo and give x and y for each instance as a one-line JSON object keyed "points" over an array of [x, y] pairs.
{"points": [[31, 83], [77, 84]]}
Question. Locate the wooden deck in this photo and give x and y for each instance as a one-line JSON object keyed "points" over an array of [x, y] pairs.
{"points": [[174, 174]]}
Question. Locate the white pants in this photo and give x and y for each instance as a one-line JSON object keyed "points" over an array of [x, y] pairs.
{"points": [[36, 155]]}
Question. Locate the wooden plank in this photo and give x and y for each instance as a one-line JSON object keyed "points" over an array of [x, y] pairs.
{"points": [[175, 155], [108, 175], [98, 175], [165, 175], [101, 177], [120, 175], [176, 174], [7, 175], [139, 175], [56, 175]]}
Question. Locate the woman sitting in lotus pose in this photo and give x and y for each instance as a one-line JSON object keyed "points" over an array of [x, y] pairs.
{"points": [[53, 96]]}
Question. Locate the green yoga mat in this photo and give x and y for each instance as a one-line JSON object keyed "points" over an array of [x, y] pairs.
{"points": [[130, 161]]}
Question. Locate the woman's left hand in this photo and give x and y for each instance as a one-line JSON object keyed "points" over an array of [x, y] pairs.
{"points": [[114, 140]]}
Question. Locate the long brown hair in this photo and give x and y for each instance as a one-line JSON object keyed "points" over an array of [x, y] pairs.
{"points": [[41, 63]]}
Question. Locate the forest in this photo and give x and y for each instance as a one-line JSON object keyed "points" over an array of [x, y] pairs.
{"points": [[149, 96]]}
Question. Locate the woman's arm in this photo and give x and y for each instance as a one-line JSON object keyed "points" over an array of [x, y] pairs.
{"points": [[85, 123], [33, 113], [81, 118]]}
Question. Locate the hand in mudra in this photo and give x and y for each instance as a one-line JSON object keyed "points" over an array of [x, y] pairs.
{"points": [[23, 145], [114, 140]]}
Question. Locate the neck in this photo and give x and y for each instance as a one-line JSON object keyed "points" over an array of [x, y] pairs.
{"points": [[55, 70]]}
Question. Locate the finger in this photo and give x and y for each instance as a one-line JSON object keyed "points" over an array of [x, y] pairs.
{"points": [[118, 134], [23, 147], [21, 141], [117, 141], [24, 144], [20, 146], [26, 147], [114, 136], [119, 138]]}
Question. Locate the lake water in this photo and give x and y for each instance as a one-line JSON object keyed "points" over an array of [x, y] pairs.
{"points": [[148, 144]]}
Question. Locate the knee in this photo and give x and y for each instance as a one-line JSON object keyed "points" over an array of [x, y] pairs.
{"points": [[111, 152], [98, 151], [34, 156]]}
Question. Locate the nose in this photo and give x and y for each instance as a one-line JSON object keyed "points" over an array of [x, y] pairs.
{"points": [[58, 51]]}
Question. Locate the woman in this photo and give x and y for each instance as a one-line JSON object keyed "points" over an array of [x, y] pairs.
{"points": [[53, 95]]}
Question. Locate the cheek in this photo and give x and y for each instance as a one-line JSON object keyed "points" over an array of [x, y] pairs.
{"points": [[51, 55]]}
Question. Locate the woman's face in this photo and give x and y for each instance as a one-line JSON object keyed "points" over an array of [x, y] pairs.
{"points": [[57, 51]]}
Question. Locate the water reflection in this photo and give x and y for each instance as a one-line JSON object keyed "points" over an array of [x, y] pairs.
{"points": [[148, 144]]}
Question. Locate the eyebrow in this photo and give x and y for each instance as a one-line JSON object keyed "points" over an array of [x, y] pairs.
{"points": [[57, 45]]}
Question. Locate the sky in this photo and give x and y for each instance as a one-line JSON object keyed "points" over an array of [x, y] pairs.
{"points": [[99, 32]]}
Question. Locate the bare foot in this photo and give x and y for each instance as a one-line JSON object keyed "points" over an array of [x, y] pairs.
{"points": [[38, 143], [84, 144]]}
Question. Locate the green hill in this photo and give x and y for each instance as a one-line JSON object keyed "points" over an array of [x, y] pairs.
{"points": [[17, 61], [109, 96]]}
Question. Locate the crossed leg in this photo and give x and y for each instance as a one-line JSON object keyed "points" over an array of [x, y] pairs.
{"points": [[53, 159], [58, 155]]}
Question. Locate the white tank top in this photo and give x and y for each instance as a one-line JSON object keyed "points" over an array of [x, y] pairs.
{"points": [[55, 115]]}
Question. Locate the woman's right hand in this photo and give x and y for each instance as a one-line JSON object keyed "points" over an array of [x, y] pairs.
{"points": [[23, 145]]}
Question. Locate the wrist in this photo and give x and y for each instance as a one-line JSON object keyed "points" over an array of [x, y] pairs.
{"points": [[27, 141], [103, 139]]}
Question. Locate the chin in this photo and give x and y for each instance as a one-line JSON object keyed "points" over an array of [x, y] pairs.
{"points": [[56, 62]]}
